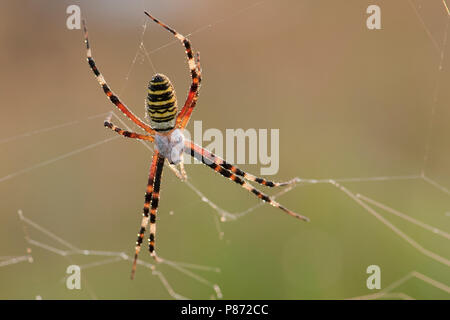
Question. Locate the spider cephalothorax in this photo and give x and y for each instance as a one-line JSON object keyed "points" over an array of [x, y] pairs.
{"points": [[161, 103], [171, 145], [166, 130]]}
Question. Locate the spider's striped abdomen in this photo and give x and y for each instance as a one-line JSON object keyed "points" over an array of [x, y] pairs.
{"points": [[161, 103]]}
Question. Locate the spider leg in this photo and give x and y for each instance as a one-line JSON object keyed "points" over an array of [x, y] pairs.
{"points": [[114, 98], [197, 62], [194, 67], [185, 113], [184, 117], [154, 208], [227, 174], [146, 210], [225, 165], [128, 134]]}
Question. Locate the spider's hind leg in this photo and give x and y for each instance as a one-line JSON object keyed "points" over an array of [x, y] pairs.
{"points": [[195, 69], [107, 90]]}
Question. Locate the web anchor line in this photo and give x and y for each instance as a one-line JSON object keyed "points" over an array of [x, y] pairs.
{"points": [[387, 292], [113, 256]]}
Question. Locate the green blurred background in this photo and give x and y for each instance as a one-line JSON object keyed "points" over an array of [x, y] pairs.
{"points": [[349, 102]]}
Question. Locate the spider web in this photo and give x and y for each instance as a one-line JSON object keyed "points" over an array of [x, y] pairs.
{"points": [[377, 209]]}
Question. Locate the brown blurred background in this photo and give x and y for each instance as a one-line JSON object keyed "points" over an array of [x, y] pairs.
{"points": [[349, 102]]}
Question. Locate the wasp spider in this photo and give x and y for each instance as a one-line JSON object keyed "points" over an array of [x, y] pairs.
{"points": [[166, 131]]}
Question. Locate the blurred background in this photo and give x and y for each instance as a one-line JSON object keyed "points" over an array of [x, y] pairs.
{"points": [[349, 102]]}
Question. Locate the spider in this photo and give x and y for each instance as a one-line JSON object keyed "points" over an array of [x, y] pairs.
{"points": [[166, 131]]}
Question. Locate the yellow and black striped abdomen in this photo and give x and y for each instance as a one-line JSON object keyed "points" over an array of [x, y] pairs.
{"points": [[161, 103]]}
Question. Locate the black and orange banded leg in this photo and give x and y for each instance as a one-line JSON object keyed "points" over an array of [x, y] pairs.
{"points": [[194, 67], [185, 116], [154, 207], [112, 97], [227, 174], [248, 176], [127, 134], [146, 210]]}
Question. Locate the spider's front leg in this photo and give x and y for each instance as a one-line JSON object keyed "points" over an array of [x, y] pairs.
{"points": [[154, 207], [149, 215], [145, 217], [201, 155], [189, 146]]}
